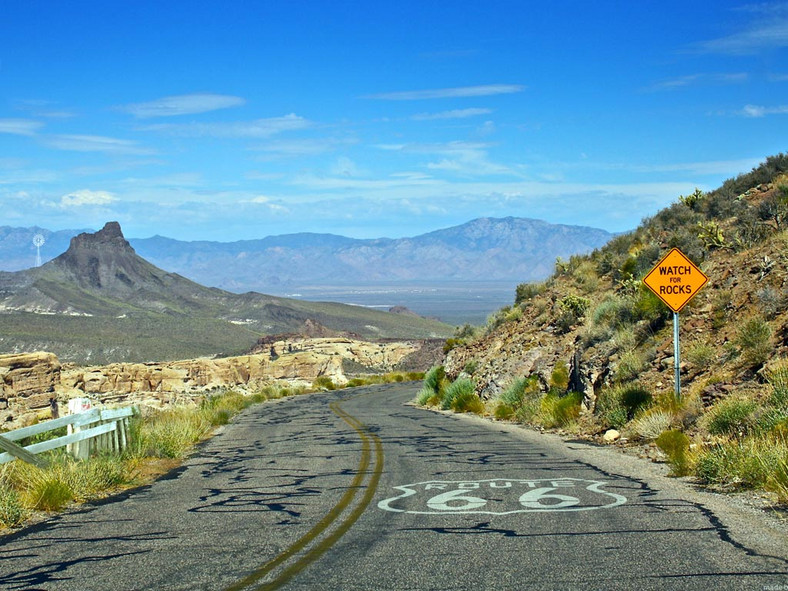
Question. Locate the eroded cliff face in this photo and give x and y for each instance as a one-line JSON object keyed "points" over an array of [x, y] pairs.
{"points": [[30, 382]]}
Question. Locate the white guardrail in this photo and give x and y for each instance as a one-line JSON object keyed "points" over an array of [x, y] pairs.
{"points": [[88, 432]]}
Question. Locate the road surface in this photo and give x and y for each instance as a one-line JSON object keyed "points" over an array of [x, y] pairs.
{"points": [[356, 490]]}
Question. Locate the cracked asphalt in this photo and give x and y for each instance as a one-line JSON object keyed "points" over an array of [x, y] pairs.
{"points": [[357, 490]]}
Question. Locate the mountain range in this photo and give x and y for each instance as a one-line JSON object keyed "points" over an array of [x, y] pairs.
{"points": [[485, 249], [101, 301]]}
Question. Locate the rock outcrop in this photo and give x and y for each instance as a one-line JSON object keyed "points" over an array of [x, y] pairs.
{"points": [[30, 382]]}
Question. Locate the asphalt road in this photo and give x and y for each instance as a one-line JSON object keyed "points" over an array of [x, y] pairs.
{"points": [[355, 490]]}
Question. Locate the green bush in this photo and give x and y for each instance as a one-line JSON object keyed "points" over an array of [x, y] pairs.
{"points": [[778, 380], [559, 378], [754, 338], [560, 411], [630, 366], [12, 511], [514, 394], [466, 401], [503, 411], [527, 291], [731, 416], [618, 405], [424, 395], [675, 445], [435, 379], [462, 386], [323, 383], [635, 398]]}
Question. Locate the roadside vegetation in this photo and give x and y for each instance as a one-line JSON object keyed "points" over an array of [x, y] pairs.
{"points": [[159, 440], [729, 429]]}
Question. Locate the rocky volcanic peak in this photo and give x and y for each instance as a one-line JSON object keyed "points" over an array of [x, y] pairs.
{"points": [[105, 260], [109, 237]]}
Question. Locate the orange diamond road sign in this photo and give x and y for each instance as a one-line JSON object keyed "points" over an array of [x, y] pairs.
{"points": [[675, 280]]}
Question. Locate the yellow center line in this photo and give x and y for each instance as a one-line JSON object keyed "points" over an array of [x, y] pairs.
{"points": [[319, 549]]}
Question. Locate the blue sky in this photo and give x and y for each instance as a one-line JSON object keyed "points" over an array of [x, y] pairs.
{"points": [[236, 120]]}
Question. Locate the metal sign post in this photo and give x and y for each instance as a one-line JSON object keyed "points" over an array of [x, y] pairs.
{"points": [[675, 280], [676, 355]]}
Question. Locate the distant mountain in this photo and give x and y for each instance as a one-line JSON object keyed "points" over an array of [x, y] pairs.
{"points": [[486, 249], [100, 296], [17, 251]]}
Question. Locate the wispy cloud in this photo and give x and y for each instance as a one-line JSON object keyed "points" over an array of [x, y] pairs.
{"points": [[453, 114], [95, 143], [769, 31], [87, 197], [259, 128], [20, 126], [183, 104], [438, 93], [761, 111], [698, 79], [300, 147]]}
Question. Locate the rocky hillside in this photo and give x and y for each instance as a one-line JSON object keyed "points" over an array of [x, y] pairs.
{"points": [[595, 319], [100, 301]]}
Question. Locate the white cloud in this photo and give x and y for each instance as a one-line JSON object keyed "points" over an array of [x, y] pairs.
{"points": [[769, 32], [760, 111], [95, 143], [695, 79], [453, 114], [20, 126], [300, 147], [184, 104], [87, 197], [344, 166], [459, 92], [259, 128]]}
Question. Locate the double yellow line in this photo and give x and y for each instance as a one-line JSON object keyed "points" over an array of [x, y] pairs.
{"points": [[369, 441]]}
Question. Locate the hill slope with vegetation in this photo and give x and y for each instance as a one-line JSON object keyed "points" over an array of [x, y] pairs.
{"points": [[590, 350]]}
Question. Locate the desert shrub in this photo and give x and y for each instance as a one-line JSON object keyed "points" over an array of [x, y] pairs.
{"points": [[45, 489], [777, 481], [527, 291], [169, 433], [323, 383], [461, 386], [754, 339], [467, 401], [471, 367], [560, 411], [675, 445], [748, 463], [424, 395], [778, 380], [434, 378], [701, 354], [503, 411], [517, 390], [613, 311], [635, 398], [652, 423], [630, 366], [559, 378], [12, 511], [650, 308], [572, 308], [618, 405], [731, 416]]}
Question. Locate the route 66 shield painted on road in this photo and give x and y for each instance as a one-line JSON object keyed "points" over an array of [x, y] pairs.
{"points": [[501, 496]]}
